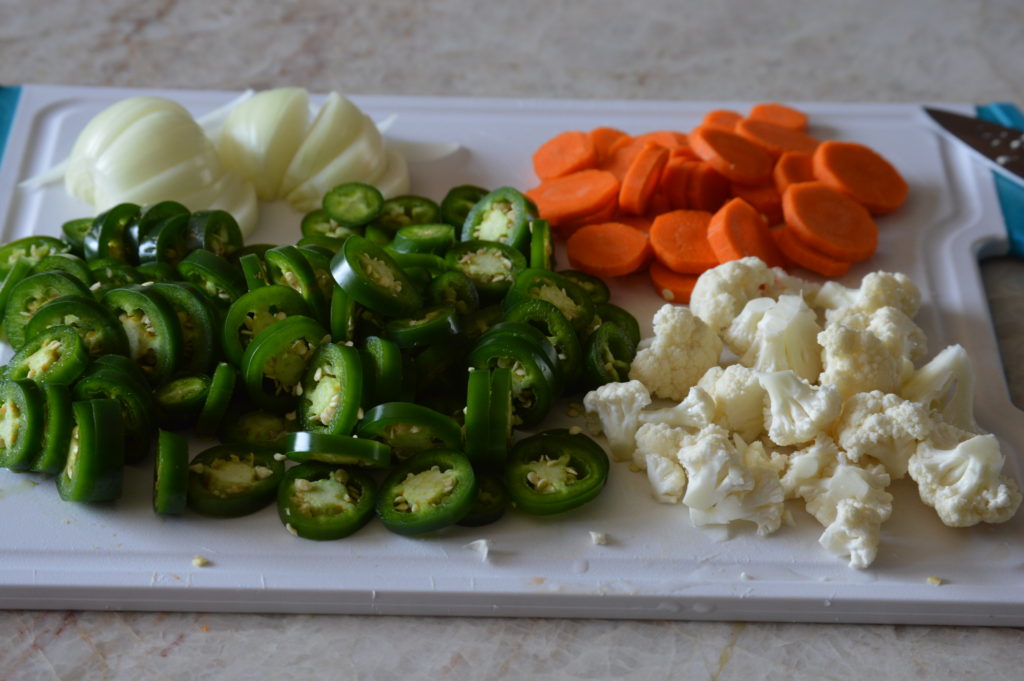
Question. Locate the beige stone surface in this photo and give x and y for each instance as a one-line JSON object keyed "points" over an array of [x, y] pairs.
{"points": [[795, 50]]}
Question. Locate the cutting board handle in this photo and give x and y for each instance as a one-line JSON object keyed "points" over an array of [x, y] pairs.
{"points": [[1011, 194]]}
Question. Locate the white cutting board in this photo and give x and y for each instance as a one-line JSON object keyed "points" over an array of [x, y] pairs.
{"points": [[654, 565]]}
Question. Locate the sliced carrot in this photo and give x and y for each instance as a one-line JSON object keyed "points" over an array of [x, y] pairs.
{"points": [[641, 222], [764, 197], [829, 221], [675, 181], [641, 178], [604, 214], [708, 189], [735, 157], [670, 139], [775, 139], [565, 153], [679, 240], [672, 286], [563, 200], [620, 156], [862, 173], [737, 230], [603, 138], [792, 166], [725, 119], [608, 249], [804, 256], [779, 114]]}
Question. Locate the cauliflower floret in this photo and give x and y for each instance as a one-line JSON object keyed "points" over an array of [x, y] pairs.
{"points": [[667, 478], [856, 361], [788, 284], [742, 330], [946, 385], [682, 349], [898, 333], [660, 439], [739, 399], [617, 407], [796, 411], [721, 292], [959, 475], [884, 427], [877, 289], [855, 531], [730, 480], [695, 412], [806, 467], [786, 337]]}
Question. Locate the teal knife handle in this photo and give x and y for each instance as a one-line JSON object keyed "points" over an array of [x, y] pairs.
{"points": [[9, 95], [1011, 194]]}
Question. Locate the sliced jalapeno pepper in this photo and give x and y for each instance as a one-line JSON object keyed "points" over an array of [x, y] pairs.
{"points": [[492, 266], [433, 325], [94, 468], [215, 230], [533, 380], [108, 273], [67, 263], [377, 234], [399, 211], [457, 203], [435, 238], [123, 365], [105, 238], [548, 319], [18, 271], [317, 223], [608, 312], [428, 492], [570, 298], [371, 276], [229, 481], [150, 218], [95, 324], [353, 204], [31, 293], [453, 287], [383, 371], [275, 361], [502, 215], [490, 501], [410, 428], [542, 247], [555, 471], [22, 418], [179, 401], [254, 271], [213, 275], [255, 427], [167, 241], [54, 355], [609, 353], [286, 266], [339, 450], [58, 422], [537, 339], [199, 322], [30, 248], [477, 323], [152, 328], [595, 287], [343, 315], [319, 260], [440, 376], [322, 502], [488, 417], [218, 399], [170, 474], [332, 390], [328, 244], [74, 232], [255, 311], [135, 399]]}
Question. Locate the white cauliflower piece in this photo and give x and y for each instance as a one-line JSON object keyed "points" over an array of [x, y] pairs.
{"points": [[946, 385], [882, 426], [898, 333], [877, 290], [667, 478], [739, 399], [788, 284], [721, 292], [660, 439], [742, 330], [786, 337], [617, 407], [959, 474], [682, 349], [796, 411], [694, 412], [806, 467], [855, 531], [856, 361]]}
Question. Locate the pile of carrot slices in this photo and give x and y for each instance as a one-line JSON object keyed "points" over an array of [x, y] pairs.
{"points": [[677, 203]]}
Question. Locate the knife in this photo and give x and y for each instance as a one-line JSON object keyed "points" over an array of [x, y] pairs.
{"points": [[999, 146]]}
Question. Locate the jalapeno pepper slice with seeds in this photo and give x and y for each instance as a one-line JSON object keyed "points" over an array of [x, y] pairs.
{"points": [[31, 293], [218, 399], [595, 287], [18, 271], [167, 241], [317, 224], [22, 416], [179, 401], [152, 328], [435, 238], [332, 390], [353, 204], [555, 471], [536, 338], [319, 260], [548, 320], [383, 371], [53, 449], [213, 275], [609, 353], [254, 271], [215, 230], [409, 209], [30, 248], [105, 238], [533, 380], [170, 474], [491, 266], [255, 311], [503, 215], [199, 322], [570, 298], [608, 312], [275, 361], [229, 481], [108, 273], [410, 428], [150, 218], [339, 450], [286, 266], [427, 492], [74, 232], [371, 276], [55, 355], [67, 263], [542, 247], [453, 287], [490, 502], [255, 427], [138, 410], [343, 315], [488, 417], [432, 325], [323, 502], [457, 203], [94, 468]]}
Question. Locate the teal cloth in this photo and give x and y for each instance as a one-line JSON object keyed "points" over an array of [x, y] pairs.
{"points": [[9, 95], [1011, 194]]}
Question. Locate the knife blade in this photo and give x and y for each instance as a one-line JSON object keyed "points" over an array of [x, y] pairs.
{"points": [[999, 146]]}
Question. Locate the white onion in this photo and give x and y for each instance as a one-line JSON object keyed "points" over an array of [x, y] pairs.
{"points": [[333, 129]]}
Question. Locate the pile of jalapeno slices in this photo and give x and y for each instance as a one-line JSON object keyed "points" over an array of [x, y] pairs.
{"points": [[394, 361]]}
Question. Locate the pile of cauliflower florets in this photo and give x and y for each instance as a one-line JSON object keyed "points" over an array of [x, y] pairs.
{"points": [[822, 396]]}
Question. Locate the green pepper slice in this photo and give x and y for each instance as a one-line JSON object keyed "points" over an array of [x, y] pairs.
{"points": [[152, 327], [31, 248], [488, 417], [549, 320], [74, 232], [427, 492], [435, 238], [199, 322], [255, 311], [410, 428], [492, 266], [338, 450], [106, 236], [254, 271], [542, 247], [68, 263], [353, 204], [457, 203], [167, 241], [31, 293], [439, 373], [533, 380], [108, 273], [54, 355], [214, 230], [318, 224], [213, 275], [22, 418], [275, 361], [170, 474], [286, 266], [594, 286], [218, 399], [150, 218], [571, 299], [555, 471], [58, 422], [453, 287], [608, 312], [255, 427], [371, 276], [537, 339], [343, 316], [95, 324], [432, 325], [18, 271], [319, 260], [410, 209], [179, 401], [323, 502], [477, 323], [609, 353], [94, 468], [383, 371], [229, 481], [134, 397], [490, 501], [502, 215], [332, 390]]}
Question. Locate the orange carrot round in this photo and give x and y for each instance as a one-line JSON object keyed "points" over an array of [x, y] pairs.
{"points": [[862, 173], [708, 189], [603, 138], [737, 230], [726, 119], [620, 156], [672, 286], [735, 157], [792, 166], [670, 139], [764, 197], [679, 240], [779, 114], [829, 221], [608, 249], [565, 153], [641, 178], [804, 256], [562, 200], [675, 181], [775, 139]]}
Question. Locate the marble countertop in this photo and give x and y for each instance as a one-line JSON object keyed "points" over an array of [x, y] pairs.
{"points": [[793, 50]]}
